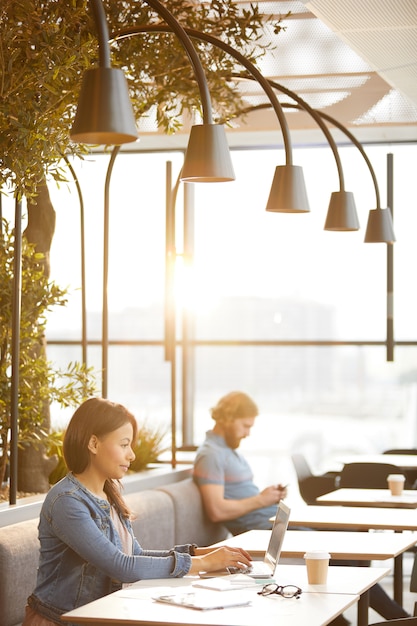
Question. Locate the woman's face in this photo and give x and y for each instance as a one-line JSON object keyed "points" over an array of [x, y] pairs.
{"points": [[112, 454]]}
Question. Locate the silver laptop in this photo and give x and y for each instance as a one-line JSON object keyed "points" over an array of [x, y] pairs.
{"points": [[266, 568]]}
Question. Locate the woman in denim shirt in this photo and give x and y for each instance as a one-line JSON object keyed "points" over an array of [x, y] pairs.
{"points": [[87, 547]]}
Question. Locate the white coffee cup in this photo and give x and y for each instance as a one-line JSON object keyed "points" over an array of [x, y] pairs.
{"points": [[396, 484], [317, 563]]}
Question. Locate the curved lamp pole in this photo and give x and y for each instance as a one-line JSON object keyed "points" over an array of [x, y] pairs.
{"points": [[105, 114], [288, 177], [293, 200], [379, 228], [384, 232], [342, 212], [343, 201], [83, 263], [288, 192]]}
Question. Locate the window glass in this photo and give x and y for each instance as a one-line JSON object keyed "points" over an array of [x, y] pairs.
{"points": [[136, 245], [324, 401], [256, 276], [262, 275]]}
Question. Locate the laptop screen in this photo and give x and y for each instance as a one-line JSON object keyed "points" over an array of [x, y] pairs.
{"points": [[277, 535]]}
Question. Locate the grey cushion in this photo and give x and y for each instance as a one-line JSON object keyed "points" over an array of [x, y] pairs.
{"points": [[153, 522], [191, 523], [19, 556]]}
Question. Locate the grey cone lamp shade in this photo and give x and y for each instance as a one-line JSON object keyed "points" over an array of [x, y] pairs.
{"points": [[380, 228], [104, 114], [288, 191], [342, 214], [207, 158]]}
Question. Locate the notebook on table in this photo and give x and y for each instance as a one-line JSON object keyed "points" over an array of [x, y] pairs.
{"points": [[267, 567]]}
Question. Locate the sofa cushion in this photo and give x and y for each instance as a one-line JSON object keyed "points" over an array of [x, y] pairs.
{"points": [[191, 523], [19, 556], [153, 519]]}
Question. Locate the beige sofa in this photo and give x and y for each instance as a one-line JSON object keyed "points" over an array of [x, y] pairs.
{"points": [[164, 516]]}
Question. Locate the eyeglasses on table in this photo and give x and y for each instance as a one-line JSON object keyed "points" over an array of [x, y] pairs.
{"points": [[286, 591]]}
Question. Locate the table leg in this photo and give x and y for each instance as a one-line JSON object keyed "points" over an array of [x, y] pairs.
{"points": [[398, 579], [363, 609]]}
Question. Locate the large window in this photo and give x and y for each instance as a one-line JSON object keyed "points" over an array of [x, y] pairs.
{"points": [[274, 305]]}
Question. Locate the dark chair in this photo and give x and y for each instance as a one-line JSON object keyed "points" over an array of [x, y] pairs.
{"points": [[401, 451], [312, 486], [368, 475]]}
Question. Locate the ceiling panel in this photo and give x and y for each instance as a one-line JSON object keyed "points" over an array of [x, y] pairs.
{"points": [[354, 60]]}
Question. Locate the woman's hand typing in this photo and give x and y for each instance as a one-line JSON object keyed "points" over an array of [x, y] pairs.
{"points": [[209, 559]]}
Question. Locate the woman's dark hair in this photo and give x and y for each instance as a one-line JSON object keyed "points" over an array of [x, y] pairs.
{"points": [[99, 417]]}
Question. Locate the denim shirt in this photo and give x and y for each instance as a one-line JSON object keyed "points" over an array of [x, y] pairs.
{"points": [[81, 557]]}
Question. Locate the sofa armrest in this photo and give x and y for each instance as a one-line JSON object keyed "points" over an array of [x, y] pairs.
{"points": [[19, 558]]}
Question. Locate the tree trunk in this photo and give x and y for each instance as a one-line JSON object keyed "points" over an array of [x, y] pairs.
{"points": [[33, 465], [33, 469]]}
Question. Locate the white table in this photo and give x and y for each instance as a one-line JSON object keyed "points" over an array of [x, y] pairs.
{"points": [[350, 546], [381, 498], [357, 580], [353, 546], [134, 606], [353, 518]]}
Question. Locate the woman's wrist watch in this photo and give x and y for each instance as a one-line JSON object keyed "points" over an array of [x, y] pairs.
{"points": [[193, 548]]}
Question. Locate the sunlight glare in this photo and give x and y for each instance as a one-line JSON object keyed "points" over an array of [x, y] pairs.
{"points": [[197, 297]]}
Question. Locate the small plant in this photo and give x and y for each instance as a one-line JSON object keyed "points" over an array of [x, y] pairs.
{"points": [[55, 449], [150, 445]]}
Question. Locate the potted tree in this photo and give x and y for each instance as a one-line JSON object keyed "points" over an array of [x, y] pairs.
{"points": [[45, 48]]}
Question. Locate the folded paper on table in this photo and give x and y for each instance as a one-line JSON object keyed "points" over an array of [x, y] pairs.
{"points": [[204, 600]]}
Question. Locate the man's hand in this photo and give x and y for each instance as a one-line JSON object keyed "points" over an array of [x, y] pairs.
{"points": [[273, 494]]}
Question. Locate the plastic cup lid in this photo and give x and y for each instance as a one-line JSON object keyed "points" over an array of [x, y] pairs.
{"points": [[317, 554], [396, 477]]}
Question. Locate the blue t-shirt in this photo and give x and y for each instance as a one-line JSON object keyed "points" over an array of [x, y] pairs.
{"points": [[217, 464]]}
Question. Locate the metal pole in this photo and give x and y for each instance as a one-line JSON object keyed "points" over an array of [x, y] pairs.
{"points": [[390, 262], [16, 312], [188, 349], [170, 335], [83, 264], [105, 312]]}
